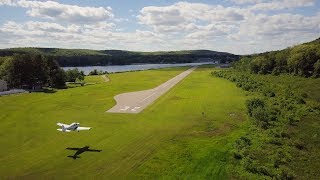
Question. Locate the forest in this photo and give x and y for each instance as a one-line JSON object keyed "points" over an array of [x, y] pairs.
{"points": [[302, 60], [85, 57]]}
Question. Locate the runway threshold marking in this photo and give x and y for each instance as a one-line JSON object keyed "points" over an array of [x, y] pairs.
{"points": [[125, 108], [135, 108]]}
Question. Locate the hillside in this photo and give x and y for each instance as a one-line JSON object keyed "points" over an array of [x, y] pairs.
{"points": [[302, 60], [86, 57]]}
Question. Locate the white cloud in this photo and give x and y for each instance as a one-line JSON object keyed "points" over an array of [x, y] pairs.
{"points": [[62, 12], [248, 1], [264, 25], [183, 15], [248, 26], [96, 36], [8, 2], [282, 4]]}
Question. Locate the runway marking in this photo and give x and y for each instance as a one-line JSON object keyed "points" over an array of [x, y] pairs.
{"points": [[148, 97], [166, 85], [135, 108], [125, 108]]}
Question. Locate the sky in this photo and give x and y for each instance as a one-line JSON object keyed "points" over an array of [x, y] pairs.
{"points": [[235, 26]]}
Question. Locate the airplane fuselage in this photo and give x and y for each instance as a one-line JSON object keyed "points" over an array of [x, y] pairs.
{"points": [[72, 127]]}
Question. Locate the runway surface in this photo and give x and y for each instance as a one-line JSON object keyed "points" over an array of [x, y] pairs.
{"points": [[135, 102]]}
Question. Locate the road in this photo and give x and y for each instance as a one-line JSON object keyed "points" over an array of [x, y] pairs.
{"points": [[135, 102]]}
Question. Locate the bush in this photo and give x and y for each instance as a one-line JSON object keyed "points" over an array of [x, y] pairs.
{"points": [[268, 93], [94, 72], [261, 117], [253, 104], [74, 74]]}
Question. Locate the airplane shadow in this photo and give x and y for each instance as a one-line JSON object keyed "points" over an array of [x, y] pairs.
{"points": [[80, 151]]}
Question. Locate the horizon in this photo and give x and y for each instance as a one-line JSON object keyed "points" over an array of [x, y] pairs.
{"points": [[238, 27]]}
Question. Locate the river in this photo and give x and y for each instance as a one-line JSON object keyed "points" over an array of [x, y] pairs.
{"points": [[134, 67]]}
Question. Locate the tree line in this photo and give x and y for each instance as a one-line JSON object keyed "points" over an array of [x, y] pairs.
{"points": [[31, 71], [302, 60], [78, 57]]}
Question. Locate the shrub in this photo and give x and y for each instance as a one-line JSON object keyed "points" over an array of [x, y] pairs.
{"points": [[253, 104], [261, 117]]}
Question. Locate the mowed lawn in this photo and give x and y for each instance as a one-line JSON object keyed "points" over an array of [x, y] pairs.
{"points": [[186, 133]]}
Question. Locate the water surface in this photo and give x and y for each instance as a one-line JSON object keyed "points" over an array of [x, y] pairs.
{"points": [[135, 67]]}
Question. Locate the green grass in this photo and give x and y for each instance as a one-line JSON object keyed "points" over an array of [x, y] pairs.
{"points": [[186, 133]]}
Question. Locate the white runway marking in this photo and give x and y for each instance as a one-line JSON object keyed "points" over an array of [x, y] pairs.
{"points": [[125, 108], [135, 108]]}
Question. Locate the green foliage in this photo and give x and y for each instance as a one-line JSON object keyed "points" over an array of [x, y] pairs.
{"points": [[300, 60], [253, 104], [72, 75], [316, 71], [30, 71], [25, 71], [267, 149], [57, 76], [96, 72]]}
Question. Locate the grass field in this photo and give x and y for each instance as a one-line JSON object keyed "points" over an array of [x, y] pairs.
{"points": [[186, 133]]}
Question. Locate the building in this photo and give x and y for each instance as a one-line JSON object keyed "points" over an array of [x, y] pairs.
{"points": [[3, 85]]}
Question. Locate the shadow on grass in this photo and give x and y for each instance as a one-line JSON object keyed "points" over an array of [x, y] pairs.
{"points": [[80, 151]]}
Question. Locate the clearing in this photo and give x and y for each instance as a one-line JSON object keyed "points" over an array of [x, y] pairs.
{"points": [[187, 132]]}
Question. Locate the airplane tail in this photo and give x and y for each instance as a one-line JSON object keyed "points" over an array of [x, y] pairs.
{"points": [[63, 129]]}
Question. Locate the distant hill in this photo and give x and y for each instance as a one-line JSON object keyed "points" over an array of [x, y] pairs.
{"points": [[87, 57]]}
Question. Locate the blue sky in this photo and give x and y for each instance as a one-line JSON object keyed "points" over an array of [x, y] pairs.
{"points": [[236, 26]]}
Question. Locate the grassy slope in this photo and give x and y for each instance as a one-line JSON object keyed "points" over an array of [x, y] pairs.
{"points": [[170, 138]]}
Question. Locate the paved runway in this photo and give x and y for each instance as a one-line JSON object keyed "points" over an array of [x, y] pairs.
{"points": [[135, 102]]}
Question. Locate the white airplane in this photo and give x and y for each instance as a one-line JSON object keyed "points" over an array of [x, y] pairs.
{"points": [[72, 127]]}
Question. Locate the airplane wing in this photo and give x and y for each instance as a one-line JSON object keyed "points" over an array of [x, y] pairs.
{"points": [[83, 128], [61, 124], [65, 130]]}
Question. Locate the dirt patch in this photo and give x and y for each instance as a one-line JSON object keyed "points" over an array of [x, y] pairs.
{"points": [[237, 116], [105, 78], [176, 98]]}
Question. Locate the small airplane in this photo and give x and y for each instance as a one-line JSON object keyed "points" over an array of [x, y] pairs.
{"points": [[72, 127]]}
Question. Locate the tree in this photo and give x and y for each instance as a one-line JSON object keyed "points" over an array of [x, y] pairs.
{"points": [[57, 76], [316, 71], [302, 60], [31, 71], [74, 74], [25, 71]]}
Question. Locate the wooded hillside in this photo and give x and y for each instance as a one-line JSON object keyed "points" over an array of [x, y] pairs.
{"points": [[86, 57]]}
